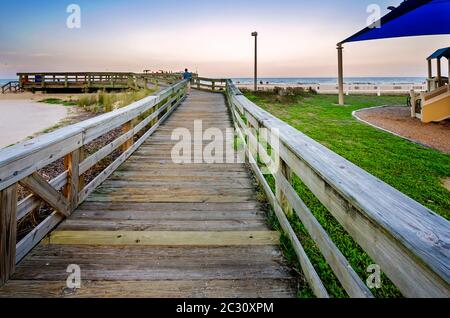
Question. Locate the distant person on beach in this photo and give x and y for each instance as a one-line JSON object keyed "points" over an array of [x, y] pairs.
{"points": [[187, 76]]}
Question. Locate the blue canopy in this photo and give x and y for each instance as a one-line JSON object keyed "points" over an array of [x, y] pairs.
{"points": [[411, 18], [445, 52]]}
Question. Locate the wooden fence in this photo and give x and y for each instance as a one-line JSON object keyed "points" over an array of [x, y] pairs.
{"points": [[94, 80], [12, 87], [214, 85], [409, 242], [20, 164], [80, 81]]}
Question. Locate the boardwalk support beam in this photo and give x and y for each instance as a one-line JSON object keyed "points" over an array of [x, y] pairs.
{"points": [[8, 232]]}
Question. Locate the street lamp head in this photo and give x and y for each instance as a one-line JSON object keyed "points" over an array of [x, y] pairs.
{"points": [[255, 34]]}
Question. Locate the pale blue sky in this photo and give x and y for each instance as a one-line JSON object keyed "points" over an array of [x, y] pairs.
{"points": [[297, 38]]}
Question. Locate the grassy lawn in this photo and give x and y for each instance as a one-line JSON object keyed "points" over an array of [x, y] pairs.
{"points": [[413, 169]]}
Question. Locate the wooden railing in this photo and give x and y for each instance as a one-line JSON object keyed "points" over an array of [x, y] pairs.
{"points": [[409, 242], [42, 81], [93, 80], [20, 164], [12, 87], [215, 85]]}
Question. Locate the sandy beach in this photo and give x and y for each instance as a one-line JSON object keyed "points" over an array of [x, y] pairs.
{"points": [[23, 116]]}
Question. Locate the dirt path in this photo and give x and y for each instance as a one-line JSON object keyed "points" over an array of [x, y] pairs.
{"points": [[398, 120]]}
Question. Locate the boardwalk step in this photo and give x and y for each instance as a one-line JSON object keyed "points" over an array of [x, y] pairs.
{"points": [[231, 224], [242, 288], [163, 238], [142, 263]]}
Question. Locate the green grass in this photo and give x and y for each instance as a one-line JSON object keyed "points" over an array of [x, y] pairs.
{"points": [[413, 169], [57, 101]]}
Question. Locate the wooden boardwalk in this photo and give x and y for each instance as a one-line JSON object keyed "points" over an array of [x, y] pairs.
{"points": [[159, 229]]}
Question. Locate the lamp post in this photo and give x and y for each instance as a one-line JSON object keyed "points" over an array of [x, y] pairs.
{"points": [[255, 34]]}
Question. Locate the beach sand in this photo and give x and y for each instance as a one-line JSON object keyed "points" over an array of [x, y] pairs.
{"points": [[23, 116]]}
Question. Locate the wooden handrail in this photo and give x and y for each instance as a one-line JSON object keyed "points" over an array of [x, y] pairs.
{"points": [[20, 163], [92, 80], [409, 241], [213, 85], [10, 86]]}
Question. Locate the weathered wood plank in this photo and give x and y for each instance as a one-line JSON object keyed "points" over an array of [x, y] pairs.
{"points": [[32, 202], [164, 207], [110, 263], [8, 232], [46, 192], [72, 187], [232, 224], [162, 238], [239, 183], [241, 288], [172, 214], [37, 234]]}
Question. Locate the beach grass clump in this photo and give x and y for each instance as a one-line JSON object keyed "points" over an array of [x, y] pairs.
{"points": [[413, 169], [104, 101], [58, 101], [282, 95]]}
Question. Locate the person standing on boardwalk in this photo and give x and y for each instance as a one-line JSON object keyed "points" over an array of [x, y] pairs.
{"points": [[187, 76]]}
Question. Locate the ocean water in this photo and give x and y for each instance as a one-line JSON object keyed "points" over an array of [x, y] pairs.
{"points": [[333, 80], [4, 81]]}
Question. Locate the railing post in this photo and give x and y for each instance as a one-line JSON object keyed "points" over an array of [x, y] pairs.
{"points": [[8, 232], [213, 86], [252, 142], [283, 171], [73, 186], [126, 128]]}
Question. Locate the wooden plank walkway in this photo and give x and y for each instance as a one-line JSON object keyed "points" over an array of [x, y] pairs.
{"points": [[159, 229]]}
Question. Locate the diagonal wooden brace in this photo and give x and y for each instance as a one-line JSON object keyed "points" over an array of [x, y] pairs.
{"points": [[46, 192]]}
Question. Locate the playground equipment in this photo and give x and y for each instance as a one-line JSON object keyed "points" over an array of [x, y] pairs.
{"points": [[433, 105]]}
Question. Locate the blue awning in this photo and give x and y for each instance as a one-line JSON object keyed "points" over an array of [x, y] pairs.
{"points": [[411, 18], [445, 52]]}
